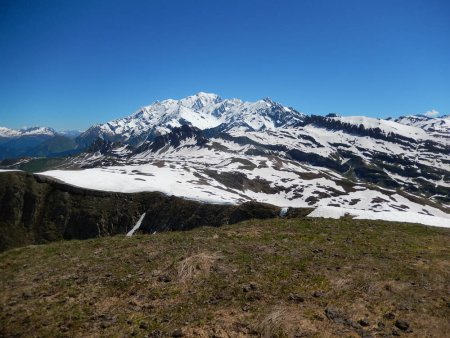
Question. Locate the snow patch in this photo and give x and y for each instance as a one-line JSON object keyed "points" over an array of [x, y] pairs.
{"points": [[393, 216], [283, 212], [136, 226]]}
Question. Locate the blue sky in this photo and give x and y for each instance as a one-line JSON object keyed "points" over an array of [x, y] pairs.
{"points": [[70, 64]]}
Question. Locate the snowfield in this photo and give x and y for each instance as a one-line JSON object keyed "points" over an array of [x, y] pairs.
{"points": [[190, 178], [394, 216]]}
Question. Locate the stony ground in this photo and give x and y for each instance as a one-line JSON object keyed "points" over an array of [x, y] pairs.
{"points": [[275, 278]]}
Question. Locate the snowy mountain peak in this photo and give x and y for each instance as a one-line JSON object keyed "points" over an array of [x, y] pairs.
{"points": [[38, 131], [32, 131], [435, 125], [202, 110], [269, 101], [200, 100], [6, 132], [386, 126]]}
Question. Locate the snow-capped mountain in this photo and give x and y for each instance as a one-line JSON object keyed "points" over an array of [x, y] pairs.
{"points": [[385, 153], [233, 168], [6, 132], [34, 141], [203, 111], [33, 131], [439, 126], [219, 150], [385, 126]]}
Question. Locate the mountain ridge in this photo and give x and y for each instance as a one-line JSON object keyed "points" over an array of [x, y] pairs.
{"points": [[216, 150], [202, 110]]}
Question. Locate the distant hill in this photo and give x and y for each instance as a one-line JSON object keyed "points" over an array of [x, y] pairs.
{"points": [[36, 142]]}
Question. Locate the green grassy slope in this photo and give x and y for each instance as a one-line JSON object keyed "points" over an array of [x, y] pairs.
{"points": [[297, 277]]}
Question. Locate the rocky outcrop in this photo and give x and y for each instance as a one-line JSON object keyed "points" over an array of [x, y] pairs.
{"points": [[35, 209], [103, 146], [173, 139]]}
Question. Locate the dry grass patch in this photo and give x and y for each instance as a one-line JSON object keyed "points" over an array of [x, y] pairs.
{"points": [[196, 265], [274, 324], [286, 321]]}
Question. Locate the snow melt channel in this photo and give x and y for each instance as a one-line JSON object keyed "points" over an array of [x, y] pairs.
{"points": [[136, 226], [283, 212]]}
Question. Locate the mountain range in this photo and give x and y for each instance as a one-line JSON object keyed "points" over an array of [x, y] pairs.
{"points": [[203, 111], [219, 150], [36, 142]]}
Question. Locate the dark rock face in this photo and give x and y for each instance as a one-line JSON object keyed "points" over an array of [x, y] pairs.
{"points": [[360, 130], [103, 146], [173, 139], [35, 209], [173, 213]]}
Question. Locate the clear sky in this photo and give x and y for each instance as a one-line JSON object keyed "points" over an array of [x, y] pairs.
{"points": [[70, 64]]}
